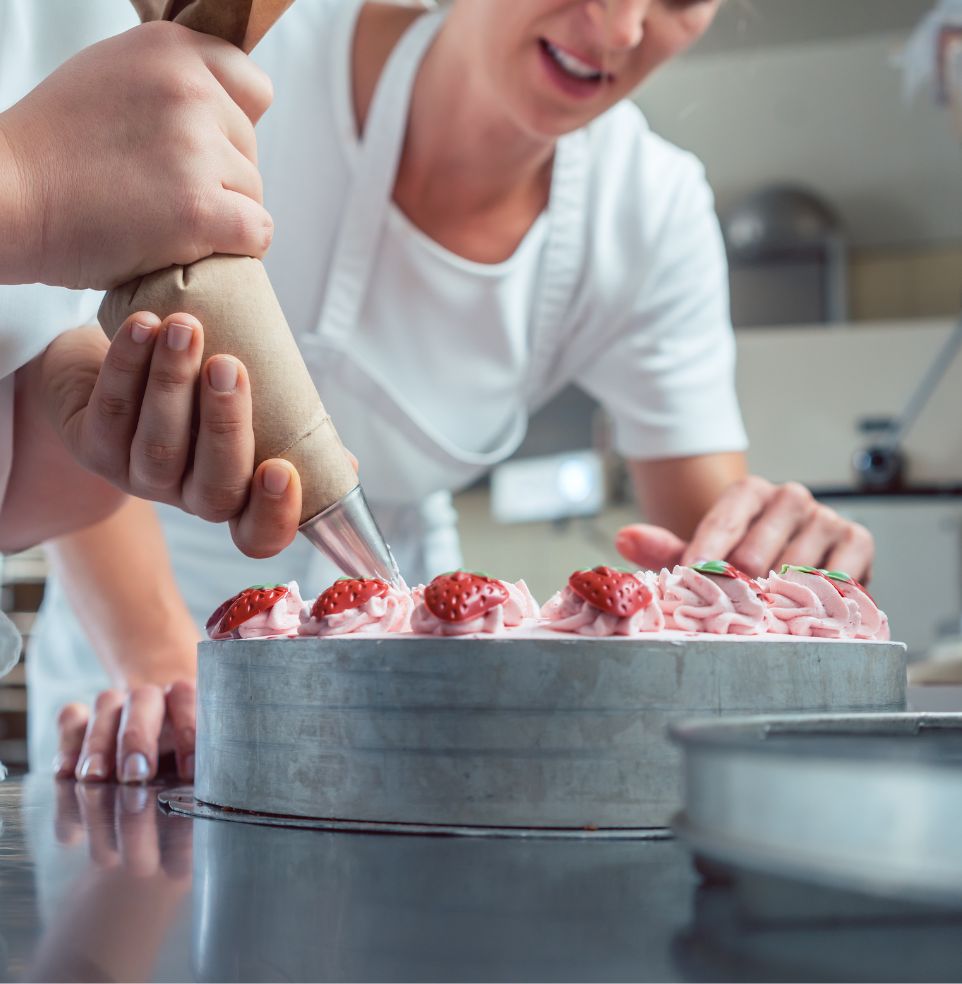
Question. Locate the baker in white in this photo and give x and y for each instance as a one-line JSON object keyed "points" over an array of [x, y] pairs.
{"points": [[469, 217]]}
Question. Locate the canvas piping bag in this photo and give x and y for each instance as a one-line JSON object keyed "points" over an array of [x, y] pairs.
{"points": [[233, 299]]}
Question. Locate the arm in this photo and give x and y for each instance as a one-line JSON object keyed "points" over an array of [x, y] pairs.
{"points": [[118, 578], [675, 493], [108, 570]]}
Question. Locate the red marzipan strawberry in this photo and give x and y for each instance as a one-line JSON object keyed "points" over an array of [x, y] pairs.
{"points": [[615, 592], [244, 606], [348, 592], [463, 595]]}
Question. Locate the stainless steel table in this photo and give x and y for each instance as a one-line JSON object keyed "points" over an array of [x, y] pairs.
{"points": [[99, 884]]}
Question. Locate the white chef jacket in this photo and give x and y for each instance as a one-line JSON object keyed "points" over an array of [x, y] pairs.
{"points": [[429, 363]]}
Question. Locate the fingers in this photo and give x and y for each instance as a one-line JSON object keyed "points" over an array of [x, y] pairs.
{"points": [[98, 806], [789, 508], [272, 516], [853, 553], [217, 488], [726, 523], [137, 837], [161, 444], [248, 85], [71, 727], [113, 410], [68, 825], [100, 741], [181, 714], [242, 176], [814, 541], [650, 547], [139, 733], [239, 226]]}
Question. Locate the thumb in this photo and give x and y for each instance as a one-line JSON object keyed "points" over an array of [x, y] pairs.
{"points": [[650, 547]]}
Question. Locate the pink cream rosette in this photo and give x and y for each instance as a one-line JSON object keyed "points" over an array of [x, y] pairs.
{"points": [[712, 597], [567, 611], [805, 601], [874, 623], [280, 621], [382, 608], [519, 606]]}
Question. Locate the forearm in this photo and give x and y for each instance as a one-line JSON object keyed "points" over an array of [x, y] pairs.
{"points": [[118, 578], [677, 492], [48, 493], [18, 242]]}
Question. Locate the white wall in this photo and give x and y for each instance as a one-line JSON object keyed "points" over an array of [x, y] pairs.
{"points": [[829, 115]]}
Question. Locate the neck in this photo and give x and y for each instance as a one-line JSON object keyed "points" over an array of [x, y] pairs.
{"points": [[460, 150]]}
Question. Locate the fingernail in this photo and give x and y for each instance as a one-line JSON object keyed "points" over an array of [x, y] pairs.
{"points": [[179, 336], [140, 332], [223, 375], [94, 767], [136, 768], [276, 479], [188, 766], [58, 764]]}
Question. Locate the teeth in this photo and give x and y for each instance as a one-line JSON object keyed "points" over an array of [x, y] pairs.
{"points": [[573, 66]]}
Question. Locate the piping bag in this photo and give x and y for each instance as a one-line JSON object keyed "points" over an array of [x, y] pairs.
{"points": [[233, 299]]}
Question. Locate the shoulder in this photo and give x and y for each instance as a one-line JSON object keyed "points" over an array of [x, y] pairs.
{"points": [[637, 175]]}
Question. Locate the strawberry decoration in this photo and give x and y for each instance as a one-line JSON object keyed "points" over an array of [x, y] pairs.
{"points": [[614, 591], [348, 592], [723, 569], [460, 596], [243, 607]]}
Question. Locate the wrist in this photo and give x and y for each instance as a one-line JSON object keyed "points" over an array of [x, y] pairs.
{"points": [[20, 260], [170, 655], [158, 667]]}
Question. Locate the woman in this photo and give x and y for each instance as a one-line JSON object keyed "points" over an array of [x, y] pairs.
{"points": [[504, 226]]}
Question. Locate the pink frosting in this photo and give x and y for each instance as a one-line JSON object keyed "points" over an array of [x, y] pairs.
{"points": [[567, 611], [696, 602], [278, 622], [519, 606], [390, 613], [805, 604], [873, 622]]}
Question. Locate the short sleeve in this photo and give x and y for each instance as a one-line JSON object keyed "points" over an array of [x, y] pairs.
{"points": [[666, 371], [6, 433]]}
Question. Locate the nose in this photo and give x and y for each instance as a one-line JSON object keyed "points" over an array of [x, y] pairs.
{"points": [[620, 22]]}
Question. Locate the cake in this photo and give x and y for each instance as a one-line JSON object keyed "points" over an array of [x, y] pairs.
{"points": [[463, 706], [711, 599]]}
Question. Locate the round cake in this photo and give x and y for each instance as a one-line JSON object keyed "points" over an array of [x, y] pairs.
{"points": [[499, 713]]}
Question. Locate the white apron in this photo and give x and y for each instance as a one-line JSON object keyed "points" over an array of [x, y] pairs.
{"points": [[418, 469]]}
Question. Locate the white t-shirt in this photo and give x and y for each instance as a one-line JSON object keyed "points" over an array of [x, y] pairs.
{"points": [[441, 358]]}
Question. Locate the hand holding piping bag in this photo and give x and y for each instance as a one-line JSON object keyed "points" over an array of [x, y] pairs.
{"points": [[232, 297]]}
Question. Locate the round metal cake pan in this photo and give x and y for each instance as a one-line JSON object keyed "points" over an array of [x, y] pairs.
{"points": [[862, 803], [539, 733]]}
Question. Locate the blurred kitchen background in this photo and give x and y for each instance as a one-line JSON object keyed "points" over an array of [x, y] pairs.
{"points": [[841, 199]]}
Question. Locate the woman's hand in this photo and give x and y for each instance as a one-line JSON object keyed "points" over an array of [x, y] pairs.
{"points": [[758, 526], [126, 734], [136, 154], [127, 413]]}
